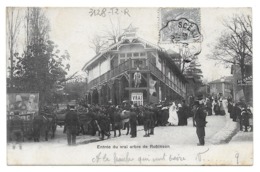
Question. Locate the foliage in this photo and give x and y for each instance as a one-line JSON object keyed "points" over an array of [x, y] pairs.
{"points": [[75, 90], [41, 67], [194, 71]]}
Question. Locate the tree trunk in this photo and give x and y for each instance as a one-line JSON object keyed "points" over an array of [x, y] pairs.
{"points": [[242, 66]]}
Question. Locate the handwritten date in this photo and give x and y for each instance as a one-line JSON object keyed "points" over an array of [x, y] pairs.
{"points": [[103, 12]]}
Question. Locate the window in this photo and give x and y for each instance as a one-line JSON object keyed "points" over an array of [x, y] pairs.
{"points": [[142, 54], [122, 55], [129, 54], [136, 54]]}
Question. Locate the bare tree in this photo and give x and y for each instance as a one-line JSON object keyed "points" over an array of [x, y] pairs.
{"points": [[97, 44], [234, 46], [38, 26], [111, 35], [13, 26], [115, 32]]}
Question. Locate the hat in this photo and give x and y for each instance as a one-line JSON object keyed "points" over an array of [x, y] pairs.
{"points": [[72, 107], [16, 112], [199, 97], [196, 102]]}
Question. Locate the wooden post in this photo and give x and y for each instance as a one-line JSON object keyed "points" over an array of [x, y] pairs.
{"points": [[99, 95], [91, 97], [130, 85], [107, 94], [148, 87], [110, 85], [119, 91]]}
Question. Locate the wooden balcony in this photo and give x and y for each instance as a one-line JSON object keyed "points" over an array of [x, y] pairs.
{"points": [[128, 66]]}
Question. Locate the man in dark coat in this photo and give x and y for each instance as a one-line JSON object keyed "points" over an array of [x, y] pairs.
{"points": [[153, 120], [230, 109], [72, 125], [133, 123], [200, 122], [209, 107], [186, 112], [147, 122], [165, 115], [245, 118], [158, 114], [237, 115]]}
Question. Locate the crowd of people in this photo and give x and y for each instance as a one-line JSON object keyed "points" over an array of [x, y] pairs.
{"points": [[169, 114], [242, 113], [106, 118]]}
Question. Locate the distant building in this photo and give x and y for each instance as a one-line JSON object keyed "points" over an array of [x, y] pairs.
{"points": [[222, 86], [134, 70]]}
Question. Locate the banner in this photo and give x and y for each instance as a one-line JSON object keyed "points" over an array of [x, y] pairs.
{"points": [[137, 98], [152, 86], [23, 103]]}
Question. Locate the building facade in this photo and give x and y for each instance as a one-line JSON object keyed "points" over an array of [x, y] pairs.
{"points": [[223, 87], [243, 88], [134, 70]]}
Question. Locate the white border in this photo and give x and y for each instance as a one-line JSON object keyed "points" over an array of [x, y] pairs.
{"points": [[132, 3]]}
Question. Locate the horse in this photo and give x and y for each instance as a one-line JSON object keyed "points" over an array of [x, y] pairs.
{"points": [[42, 124], [52, 123], [103, 124], [115, 120]]}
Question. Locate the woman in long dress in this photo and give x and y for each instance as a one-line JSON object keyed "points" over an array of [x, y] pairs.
{"points": [[173, 116]]}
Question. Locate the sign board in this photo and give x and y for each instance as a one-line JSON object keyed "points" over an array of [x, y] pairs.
{"points": [[137, 98], [24, 103], [246, 81]]}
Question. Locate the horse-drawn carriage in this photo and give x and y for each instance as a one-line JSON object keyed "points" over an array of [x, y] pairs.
{"points": [[33, 126], [86, 121], [26, 127]]}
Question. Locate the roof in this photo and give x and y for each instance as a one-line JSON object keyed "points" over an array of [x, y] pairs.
{"points": [[162, 53], [116, 44], [227, 79]]}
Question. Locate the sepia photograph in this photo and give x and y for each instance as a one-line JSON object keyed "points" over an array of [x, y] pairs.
{"points": [[135, 86]]}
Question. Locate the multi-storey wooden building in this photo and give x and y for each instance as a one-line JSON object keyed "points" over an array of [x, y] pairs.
{"points": [[136, 70]]}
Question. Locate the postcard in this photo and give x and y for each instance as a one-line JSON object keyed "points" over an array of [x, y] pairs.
{"points": [[129, 86]]}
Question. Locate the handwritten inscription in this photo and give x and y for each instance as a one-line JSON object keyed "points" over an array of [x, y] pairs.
{"points": [[119, 158], [237, 157], [199, 155], [125, 158], [103, 12]]}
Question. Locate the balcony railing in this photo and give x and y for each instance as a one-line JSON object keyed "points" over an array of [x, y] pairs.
{"points": [[110, 74], [129, 65], [159, 74]]}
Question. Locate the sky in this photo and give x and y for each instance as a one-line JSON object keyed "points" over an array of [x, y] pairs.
{"points": [[73, 28]]}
